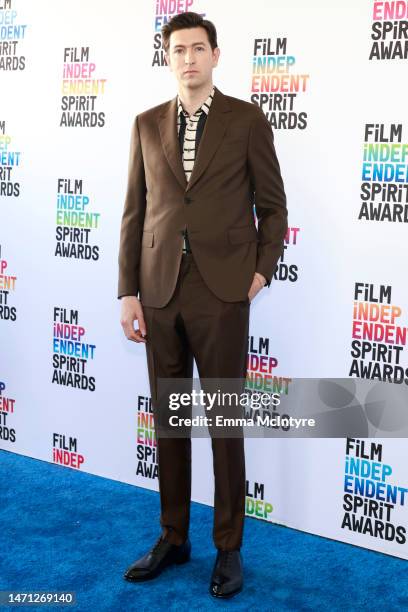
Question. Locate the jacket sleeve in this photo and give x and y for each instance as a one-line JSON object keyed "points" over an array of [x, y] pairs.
{"points": [[270, 199], [132, 219]]}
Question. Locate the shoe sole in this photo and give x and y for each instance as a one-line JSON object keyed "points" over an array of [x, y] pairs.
{"points": [[157, 573]]}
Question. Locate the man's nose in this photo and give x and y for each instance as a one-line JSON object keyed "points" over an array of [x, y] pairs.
{"points": [[189, 58]]}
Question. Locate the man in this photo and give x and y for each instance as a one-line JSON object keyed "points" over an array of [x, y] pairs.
{"points": [[190, 248]]}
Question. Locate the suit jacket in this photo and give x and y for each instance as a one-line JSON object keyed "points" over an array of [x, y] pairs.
{"points": [[235, 167]]}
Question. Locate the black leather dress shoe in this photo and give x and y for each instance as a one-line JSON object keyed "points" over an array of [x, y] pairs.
{"points": [[160, 556], [227, 575]]}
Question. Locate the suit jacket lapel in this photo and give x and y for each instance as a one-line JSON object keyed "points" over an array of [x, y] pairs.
{"points": [[214, 130], [168, 133]]}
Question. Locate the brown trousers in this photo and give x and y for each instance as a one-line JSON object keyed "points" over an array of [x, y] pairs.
{"points": [[195, 324]]}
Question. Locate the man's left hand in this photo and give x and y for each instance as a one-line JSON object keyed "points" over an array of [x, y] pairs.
{"points": [[258, 282]]}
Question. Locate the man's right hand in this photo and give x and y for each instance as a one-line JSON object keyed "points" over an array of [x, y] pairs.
{"points": [[132, 311]]}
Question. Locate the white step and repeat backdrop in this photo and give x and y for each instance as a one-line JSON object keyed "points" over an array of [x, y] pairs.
{"points": [[331, 78]]}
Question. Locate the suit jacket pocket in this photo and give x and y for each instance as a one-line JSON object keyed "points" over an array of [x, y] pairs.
{"points": [[147, 239], [248, 233]]}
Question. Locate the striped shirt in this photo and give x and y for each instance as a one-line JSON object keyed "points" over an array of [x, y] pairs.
{"points": [[190, 129]]}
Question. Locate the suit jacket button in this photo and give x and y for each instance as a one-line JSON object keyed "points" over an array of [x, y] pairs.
{"points": [[187, 200]]}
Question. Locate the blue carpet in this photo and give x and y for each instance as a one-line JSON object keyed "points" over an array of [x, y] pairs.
{"points": [[62, 529]]}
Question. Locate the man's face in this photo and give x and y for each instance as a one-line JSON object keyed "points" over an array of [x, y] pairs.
{"points": [[191, 58]]}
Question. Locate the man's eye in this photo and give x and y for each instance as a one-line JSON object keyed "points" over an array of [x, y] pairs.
{"points": [[200, 48]]}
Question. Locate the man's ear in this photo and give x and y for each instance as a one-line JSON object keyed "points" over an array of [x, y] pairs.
{"points": [[216, 55], [167, 60]]}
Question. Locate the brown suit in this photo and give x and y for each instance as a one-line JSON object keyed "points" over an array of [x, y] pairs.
{"points": [[236, 158], [196, 305]]}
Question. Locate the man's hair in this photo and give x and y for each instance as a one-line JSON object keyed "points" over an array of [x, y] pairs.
{"points": [[188, 20]]}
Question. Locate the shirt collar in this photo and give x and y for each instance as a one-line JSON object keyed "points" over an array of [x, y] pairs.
{"points": [[205, 107]]}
